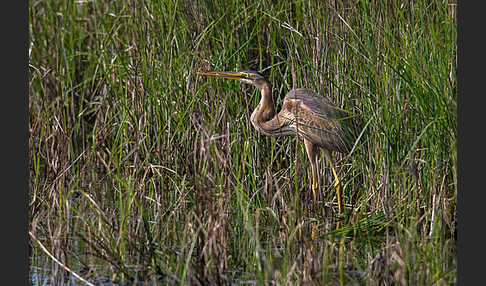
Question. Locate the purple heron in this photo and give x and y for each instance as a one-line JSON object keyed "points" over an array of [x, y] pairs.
{"points": [[305, 113]]}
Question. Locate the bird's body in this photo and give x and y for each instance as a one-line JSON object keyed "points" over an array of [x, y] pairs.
{"points": [[304, 113], [311, 116]]}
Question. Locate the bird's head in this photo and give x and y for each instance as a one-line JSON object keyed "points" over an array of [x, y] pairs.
{"points": [[250, 77]]}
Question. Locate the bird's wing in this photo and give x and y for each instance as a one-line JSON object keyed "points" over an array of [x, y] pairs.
{"points": [[318, 119], [316, 104]]}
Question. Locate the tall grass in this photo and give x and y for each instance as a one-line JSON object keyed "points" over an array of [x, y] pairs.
{"points": [[142, 171]]}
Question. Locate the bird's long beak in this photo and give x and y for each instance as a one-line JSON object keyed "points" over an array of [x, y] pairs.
{"points": [[224, 74]]}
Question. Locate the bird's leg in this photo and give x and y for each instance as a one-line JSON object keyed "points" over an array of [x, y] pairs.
{"points": [[314, 186], [311, 150], [314, 189], [337, 182]]}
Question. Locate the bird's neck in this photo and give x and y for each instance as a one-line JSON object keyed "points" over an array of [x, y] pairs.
{"points": [[264, 117], [266, 108]]}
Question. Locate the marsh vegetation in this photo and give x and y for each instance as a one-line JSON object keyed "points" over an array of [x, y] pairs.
{"points": [[141, 171]]}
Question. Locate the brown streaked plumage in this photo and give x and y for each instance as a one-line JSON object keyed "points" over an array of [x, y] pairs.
{"points": [[305, 113]]}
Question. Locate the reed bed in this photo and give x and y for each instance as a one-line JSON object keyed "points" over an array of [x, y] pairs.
{"points": [[143, 172]]}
